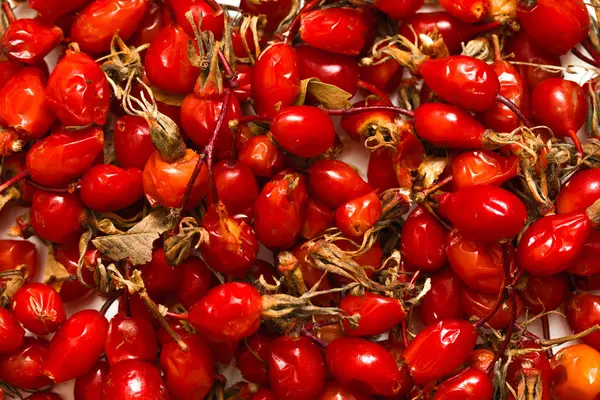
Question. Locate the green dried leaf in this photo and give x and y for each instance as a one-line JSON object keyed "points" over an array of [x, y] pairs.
{"points": [[136, 243], [329, 96]]}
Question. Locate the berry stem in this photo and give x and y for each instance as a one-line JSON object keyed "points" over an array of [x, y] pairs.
{"points": [[513, 107], [573, 135], [317, 340], [210, 147], [358, 110], [109, 302], [509, 332], [584, 58], [233, 148], [35, 185], [229, 72], [253, 118], [546, 333], [181, 317], [587, 45], [503, 290], [21, 175]]}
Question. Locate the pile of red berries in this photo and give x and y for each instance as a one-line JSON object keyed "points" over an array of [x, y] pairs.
{"points": [[175, 138]]}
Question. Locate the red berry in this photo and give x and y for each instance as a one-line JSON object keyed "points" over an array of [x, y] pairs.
{"points": [[160, 278], [482, 168], [357, 216], [296, 368], [366, 366], [211, 12], [22, 103], [133, 379], [423, 241], [544, 293], [443, 301], [76, 346], [78, 91], [57, 217], [189, 374], [262, 156], [580, 192], [167, 64], [133, 145], [334, 182], [30, 40], [252, 358], [480, 305], [50, 10], [11, 332], [19, 253], [130, 339], [68, 256], [318, 218], [583, 312], [378, 314], [334, 69], [228, 312], [110, 188], [274, 11], [39, 308], [573, 373], [23, 367], [196, 280], [289, 128], [469, 384], [90, 385]]}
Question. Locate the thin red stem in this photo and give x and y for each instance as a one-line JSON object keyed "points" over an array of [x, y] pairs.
{"points": [[509, 332], [181, 317], [503, 290], [513, 107], [253, 118], [35, 185], [584, 58], [210, 147], [109, 303], [8, 11], [316, 340], [374, 90], [21, 175], [229, 72], [358, 110], [546, 333], [587, 45], [289, 35], [573, 135], [427, 191], [233, 147]]}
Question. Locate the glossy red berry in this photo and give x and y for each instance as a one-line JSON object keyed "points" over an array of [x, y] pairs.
{"points": [[365, 366], [378, 314], [341, 30], [39, 308], [133, 145], [355, 217], [562, 106], [289, 130], [466, 10], [334, 391], [399, 9], [211, 12], [152, 22], [334, 69], [94, 28], [252, 358], [296, 368], [580, 192], [279, 210], [76, 346], [479, 265], [167, 64], [228, 312], [583, 312], [469, 384], [133, 379], [423, 241], [110, 188], [551, 244], [196, 280], [334, 182], [232, 245], [443, 301], [472, 210], [275, 12], [160, 278], [78, 91], [439, 349], [464, 81], [189, 374], [23, 367], [57, 217], [318, 218], [19, 254], [72, 153], [49, 10], [587, 262], [199, 118], [554, 25], [11, 332], [44, 396], [380, 172], [544, 293], [262, 156], [165, 183], [276, 79], [90, 385], [130, 338], [30, 40], [22, 103], [482, 168]]}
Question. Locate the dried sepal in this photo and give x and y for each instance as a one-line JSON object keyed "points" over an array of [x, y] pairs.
{"points": [[256, 25], [55, 274], [329, 96], [289, 267], [190, 237]]}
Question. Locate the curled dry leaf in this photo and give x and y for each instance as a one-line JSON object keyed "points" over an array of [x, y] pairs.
{"points": [[431, 169], [329, 96], [136, 243], [190, 236]]}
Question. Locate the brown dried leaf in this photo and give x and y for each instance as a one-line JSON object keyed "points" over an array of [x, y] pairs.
{"points": [[330, 96], [55, 274], [431, 169], [108, 227], [136, 243]]}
